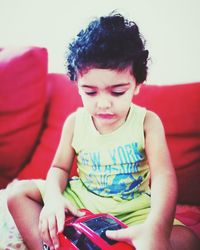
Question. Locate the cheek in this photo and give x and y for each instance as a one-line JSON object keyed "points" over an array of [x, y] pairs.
{"points": [[130, 95], [87, 102], [125, 100], [124, 103], [122, 106]]}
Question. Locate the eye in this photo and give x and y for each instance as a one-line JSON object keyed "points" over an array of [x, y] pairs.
{"points": [[91, 93], [118, 93]]}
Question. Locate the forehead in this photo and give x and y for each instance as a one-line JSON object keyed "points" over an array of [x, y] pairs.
{"points": [[105, 77]]}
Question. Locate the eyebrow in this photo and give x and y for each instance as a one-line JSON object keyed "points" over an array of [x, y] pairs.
{"points": [[111, 86]]}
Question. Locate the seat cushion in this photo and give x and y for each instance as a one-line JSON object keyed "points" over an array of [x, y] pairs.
{"points": [[190, 216]]}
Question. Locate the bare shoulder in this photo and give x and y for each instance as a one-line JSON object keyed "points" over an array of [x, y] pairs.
{"points": [[69, 124], [153, 123], [70, 120], [65, 153]]}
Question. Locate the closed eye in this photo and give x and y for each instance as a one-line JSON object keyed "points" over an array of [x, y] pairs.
{"points": [[120, 89], [91, 93], [116, 93]]}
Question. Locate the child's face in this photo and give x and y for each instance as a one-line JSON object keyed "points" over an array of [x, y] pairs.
{"points": [[107, 95]]}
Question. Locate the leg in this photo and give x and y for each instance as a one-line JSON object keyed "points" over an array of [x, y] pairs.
{"points": [[24, 203], [182, 238]]}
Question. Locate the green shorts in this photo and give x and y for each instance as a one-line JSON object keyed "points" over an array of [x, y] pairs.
{"points": [[131, 212]]}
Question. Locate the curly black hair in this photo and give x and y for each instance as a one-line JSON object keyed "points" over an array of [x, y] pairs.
{"points": [[109, 42]]}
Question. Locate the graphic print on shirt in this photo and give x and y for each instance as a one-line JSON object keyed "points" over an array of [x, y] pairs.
{"points": [[121, 177]]}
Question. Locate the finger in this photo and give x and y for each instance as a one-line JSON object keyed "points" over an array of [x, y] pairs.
{"points": [[80, 213], [60, 218], [44, 232], [52, 224], [73, 210], [119, 235]]}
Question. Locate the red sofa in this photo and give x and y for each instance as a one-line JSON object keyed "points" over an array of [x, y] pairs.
{"points": [[35, 103]]}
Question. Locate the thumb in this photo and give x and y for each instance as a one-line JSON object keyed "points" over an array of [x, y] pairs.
{"points": [[69, 207], [119, 235], [76, 212]]}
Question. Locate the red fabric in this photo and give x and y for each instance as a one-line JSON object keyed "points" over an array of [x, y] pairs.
{"points": [[178, 108], [22, 100], [190, 216], [61, 102]]}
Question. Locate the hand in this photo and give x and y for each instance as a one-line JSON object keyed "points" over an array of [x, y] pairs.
{"points": [[142, 237], [52, 217]]}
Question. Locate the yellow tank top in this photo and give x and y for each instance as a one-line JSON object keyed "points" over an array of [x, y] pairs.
{"points": [[114, 164]]}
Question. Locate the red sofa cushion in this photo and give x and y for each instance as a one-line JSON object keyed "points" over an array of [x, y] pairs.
{"points": [[62, 100], [178, 108], [190, 216], [23, 74]]}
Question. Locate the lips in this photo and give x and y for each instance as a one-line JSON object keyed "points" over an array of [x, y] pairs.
{"points": [[106, 116]]}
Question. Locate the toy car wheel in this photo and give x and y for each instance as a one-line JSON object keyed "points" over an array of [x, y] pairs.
{"points": [[45, 247]]}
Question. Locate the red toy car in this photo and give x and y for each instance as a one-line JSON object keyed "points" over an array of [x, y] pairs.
{"points": [[88, 233]]}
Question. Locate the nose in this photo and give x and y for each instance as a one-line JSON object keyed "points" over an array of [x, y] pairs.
{"points": [[104, 102]]}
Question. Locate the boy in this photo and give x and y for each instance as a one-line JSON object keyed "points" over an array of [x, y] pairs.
{"points": [[117, 144]]}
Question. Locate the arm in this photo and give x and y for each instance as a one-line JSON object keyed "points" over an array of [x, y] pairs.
{"points": [[59, 172], [55, 205], [163, 178], [154, 233]]}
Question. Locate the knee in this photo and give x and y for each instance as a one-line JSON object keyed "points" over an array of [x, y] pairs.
{"points": [[16, 193], [183, 238]]}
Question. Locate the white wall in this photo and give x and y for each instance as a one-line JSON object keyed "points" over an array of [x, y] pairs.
{"points": [[171, 28]]}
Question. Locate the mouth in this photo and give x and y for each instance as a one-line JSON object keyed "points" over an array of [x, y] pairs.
{"points": [[106, 116]]}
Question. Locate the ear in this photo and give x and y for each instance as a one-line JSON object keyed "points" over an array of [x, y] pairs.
{"points": [[137, 89]]}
